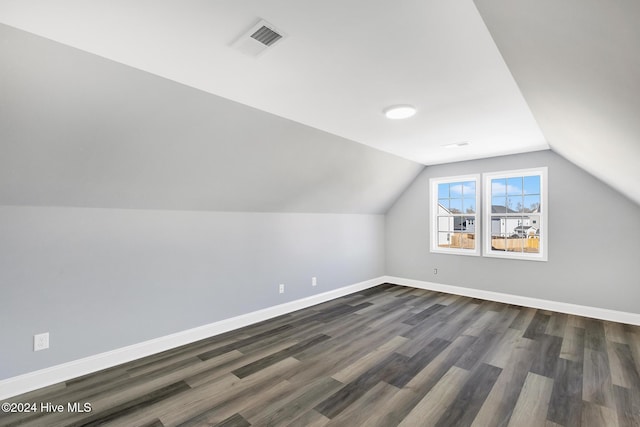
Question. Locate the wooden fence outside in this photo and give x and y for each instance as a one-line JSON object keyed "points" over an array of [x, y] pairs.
{"points": [[516, 244], [510, 244], [462, 240]]}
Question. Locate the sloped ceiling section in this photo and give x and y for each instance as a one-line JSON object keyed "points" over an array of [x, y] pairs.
{"points": [[340, 65], [577, 64], [80, 130]]}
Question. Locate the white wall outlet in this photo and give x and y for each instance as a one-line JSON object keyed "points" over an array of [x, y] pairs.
{"points": [[281, 288], [41, 341], [435, 271], [314, 282]]}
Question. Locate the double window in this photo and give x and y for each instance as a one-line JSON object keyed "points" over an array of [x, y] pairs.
{"points": [[514, 214]]}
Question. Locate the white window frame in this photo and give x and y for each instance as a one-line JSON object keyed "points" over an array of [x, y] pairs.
{"points": [[544, 213], [433, 210]]}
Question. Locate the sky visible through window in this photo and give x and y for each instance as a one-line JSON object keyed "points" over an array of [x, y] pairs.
{"points": [[458, 197], [516, 203], [516, 194], [508, 195], [455, 223], [514, 219]]}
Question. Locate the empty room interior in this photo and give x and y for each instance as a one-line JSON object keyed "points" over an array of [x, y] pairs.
{"points": [[296, 213]]}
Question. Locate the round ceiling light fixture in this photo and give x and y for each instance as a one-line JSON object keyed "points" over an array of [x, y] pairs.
{"points": [[396, 112]]}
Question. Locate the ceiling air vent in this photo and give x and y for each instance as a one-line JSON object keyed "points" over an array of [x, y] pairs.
{"points": [[266, 36], [258, 39]]}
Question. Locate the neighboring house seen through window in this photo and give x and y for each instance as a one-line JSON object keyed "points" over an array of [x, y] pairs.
{"points": [[515, 214], [454, 215]]}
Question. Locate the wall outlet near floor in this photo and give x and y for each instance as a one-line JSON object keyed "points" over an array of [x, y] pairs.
{"points": [[281, 288], [314, 282], [41, 341], [435, 271]]}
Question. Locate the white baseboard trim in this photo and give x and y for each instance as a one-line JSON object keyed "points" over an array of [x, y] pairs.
{"points": [[562, 307], [34, 380], [44, 377]]}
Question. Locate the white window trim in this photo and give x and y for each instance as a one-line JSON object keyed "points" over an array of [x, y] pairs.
{"points": [[433, 212], [486, 213]]}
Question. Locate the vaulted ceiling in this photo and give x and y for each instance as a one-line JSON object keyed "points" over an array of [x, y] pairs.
{"points": [[80, 130], [577, 64], [505, 77]]}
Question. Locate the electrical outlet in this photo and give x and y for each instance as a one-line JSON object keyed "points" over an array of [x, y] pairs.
{"points": [[281, 288], [41, 341], [435, 271], [314, 282]]}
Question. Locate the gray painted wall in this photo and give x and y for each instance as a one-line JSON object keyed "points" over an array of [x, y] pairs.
{"points": [[577, 66], [80, 130], [108, 180], [594, 239], [132, 207], [100, 279]]}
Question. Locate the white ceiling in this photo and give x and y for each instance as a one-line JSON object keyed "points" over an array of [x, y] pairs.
{"points": [[571, 81], [80, 130], [578, 65], [340, 66]]}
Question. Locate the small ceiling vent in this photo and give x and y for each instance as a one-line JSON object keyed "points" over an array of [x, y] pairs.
{"points": [[266, 36], [258, 39]]}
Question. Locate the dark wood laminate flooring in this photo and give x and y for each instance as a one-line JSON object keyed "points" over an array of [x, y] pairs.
{"points": [[386, 356]]}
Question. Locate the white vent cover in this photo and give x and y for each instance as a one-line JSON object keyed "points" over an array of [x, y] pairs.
{"points": [[258, 39]]}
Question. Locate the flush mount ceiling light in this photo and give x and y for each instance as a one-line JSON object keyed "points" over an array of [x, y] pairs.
{"points": [[456, 144], [396, 112]]}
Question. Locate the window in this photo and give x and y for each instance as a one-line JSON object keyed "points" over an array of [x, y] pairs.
{"points": [[454, 215], [515, 214]]}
